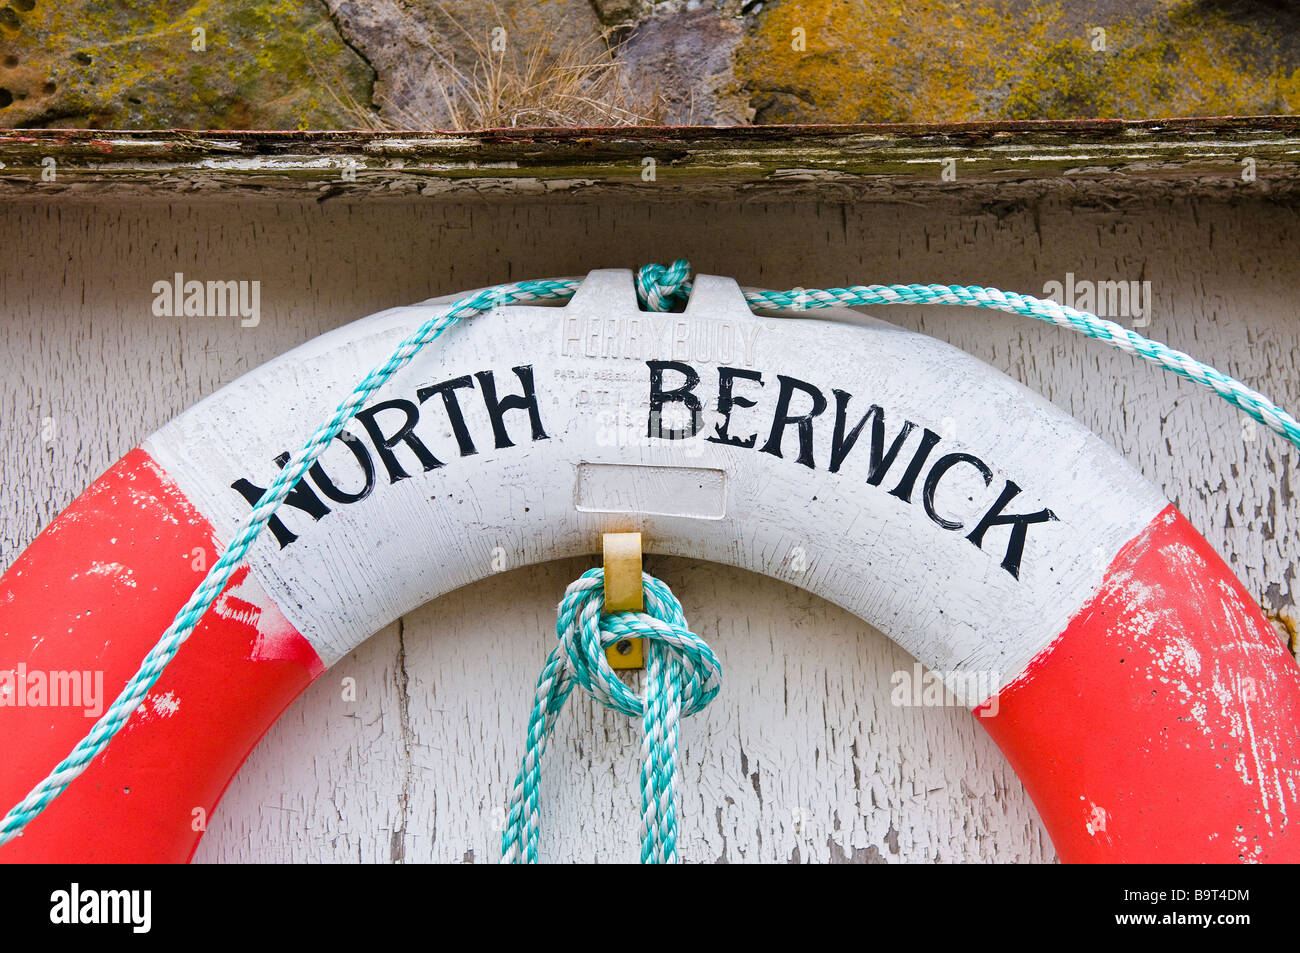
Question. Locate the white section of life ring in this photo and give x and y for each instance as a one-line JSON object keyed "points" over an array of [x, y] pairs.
{"points": [[879, 553]]}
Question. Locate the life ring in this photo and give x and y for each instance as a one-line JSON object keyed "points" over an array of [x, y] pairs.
{"points": [[1143, 699]]}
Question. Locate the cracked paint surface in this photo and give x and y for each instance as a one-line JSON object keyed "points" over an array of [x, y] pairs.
{"points": [[1167, 681]]}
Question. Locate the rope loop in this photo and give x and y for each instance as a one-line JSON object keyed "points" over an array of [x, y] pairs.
{"points": [[682, 676], [661, 287], [584, 632]]}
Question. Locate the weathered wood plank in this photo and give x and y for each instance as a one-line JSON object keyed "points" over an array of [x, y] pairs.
{"points": [[995, 161]]}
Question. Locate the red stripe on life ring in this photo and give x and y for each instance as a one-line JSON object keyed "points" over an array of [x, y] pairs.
{"points": [[1163, 724], [92, 595]]}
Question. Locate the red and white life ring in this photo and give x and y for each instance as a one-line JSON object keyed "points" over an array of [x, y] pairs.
{"points": [[1143, 699]]}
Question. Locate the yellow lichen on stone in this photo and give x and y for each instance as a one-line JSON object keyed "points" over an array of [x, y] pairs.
{"points": [[943, 61], [860, 62], [1187, 64]]}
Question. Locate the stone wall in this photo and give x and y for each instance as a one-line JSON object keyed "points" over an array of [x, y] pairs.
{"points": [[288, 64]]}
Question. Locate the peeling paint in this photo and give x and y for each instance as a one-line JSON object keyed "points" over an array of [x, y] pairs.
{"points": [[1013, 160]]}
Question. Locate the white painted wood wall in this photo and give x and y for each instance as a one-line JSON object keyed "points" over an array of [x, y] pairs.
{"points": [[802, 757]]}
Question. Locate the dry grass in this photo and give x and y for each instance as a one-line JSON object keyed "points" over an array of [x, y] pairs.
{"points": [[578, 83]]}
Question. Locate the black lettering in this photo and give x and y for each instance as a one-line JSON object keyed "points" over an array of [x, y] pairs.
{"points": [[384, 444], [497, 407], [300, 497], [783, 419], [1019, 523], [454, 414], [904, 489], [942, 466], [841, 443], [682, 395], [727, 400], [327, 486]]}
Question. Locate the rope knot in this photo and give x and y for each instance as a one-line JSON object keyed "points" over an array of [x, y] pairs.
{"points": [[660, 287], [682, 676], [585, 631]]}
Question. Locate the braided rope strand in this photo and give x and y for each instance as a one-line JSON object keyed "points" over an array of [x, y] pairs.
{"points": [[680, 664], [663, 287], [1250, 401]]}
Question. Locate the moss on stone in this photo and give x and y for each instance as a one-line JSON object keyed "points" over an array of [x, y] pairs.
{"points": [[266, 63]]}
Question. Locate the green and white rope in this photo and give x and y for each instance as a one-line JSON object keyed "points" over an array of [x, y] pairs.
{"points": [[671, 284], [661, 288], [682, 676], [1250, 401]]}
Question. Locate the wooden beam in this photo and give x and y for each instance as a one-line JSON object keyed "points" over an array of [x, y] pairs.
{"points": [[1105, 159]]}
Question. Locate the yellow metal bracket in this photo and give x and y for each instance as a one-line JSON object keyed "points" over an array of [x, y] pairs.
{"points": [[624, 593]]}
